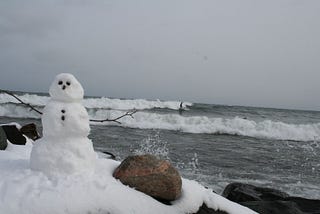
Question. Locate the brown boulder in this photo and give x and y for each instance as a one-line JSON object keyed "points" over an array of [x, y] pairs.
{"points": [[150, 175]]}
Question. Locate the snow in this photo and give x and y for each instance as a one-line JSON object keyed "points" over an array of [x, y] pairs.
{"points": [[63, 156], [26, 191], [66, 87], [64, 148], [17, 125], [61, 173], [75, 122]]}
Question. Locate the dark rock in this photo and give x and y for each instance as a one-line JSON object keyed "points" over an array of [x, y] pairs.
{"points": [[306, 205], [3, 139], [14, 135], [205, 210], [275, 207], [269, 201], [150, 175], [239, 192], [30, 130]]}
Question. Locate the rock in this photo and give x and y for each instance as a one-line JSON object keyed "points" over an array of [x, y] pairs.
{"points": [[30, 130], [245, 192], [205, 210], [3, 139], [267, 200], [274, 207], [150, 175], [14, 135], [306, 205]]}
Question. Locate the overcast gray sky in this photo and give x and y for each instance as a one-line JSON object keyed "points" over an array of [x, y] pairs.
{"points": [[248, 52]]}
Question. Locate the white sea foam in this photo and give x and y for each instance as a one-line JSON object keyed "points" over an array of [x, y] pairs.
{"points": [[101, 108], [103, 102], [17, 111], [131, 104], [153, 145], [234, 126], [32, 99]]}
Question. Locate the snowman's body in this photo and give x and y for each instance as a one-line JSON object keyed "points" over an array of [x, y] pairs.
{"points": [[65, 120], [65, 147]]}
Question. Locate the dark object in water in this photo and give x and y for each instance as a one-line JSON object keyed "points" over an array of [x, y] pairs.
{"points": [[181, 109], [112, 156], [3, 139]]}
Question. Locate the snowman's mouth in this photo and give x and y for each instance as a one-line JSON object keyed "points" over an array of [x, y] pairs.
{"points": [[63, 87]]}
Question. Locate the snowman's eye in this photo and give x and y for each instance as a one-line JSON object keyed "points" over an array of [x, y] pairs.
{"points": [[60, 82], [68, 83]]}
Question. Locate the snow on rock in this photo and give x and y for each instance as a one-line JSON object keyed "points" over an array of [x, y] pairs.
{"points": [[64, 147], [25, 191]]}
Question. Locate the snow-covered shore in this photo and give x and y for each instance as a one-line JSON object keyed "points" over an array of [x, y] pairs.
{"points": [[61, 173], [23, 190]]}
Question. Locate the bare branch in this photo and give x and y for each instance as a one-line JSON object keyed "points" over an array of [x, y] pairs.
{"points": [[17, 98], [128, 113]]}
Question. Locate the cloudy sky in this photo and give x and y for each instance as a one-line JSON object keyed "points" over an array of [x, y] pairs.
{"points": [[248, 52]]}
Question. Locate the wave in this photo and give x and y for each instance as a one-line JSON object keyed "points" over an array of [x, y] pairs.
{"points": [[99, 103], [138, 104], [17, 111], [32, 99], [101, 108], [228, 126]]}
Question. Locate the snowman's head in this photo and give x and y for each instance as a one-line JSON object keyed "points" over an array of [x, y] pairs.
{"points": [[66, 87]]}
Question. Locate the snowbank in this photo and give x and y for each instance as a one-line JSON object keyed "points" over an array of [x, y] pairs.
{"points": [[30, 192]]}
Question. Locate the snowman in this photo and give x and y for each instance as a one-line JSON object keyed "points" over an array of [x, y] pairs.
{"points": [[64, 148]]}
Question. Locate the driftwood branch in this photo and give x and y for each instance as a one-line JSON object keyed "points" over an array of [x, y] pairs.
{"points": [[17, 98], [128, 113]]}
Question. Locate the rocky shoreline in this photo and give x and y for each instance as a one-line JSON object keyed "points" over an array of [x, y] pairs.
{"points": [[160, 180]]}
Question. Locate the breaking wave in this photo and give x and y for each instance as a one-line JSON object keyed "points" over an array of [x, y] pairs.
{"points": [[228, 126], [32, 99], [99, 103], [101, 108]]}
